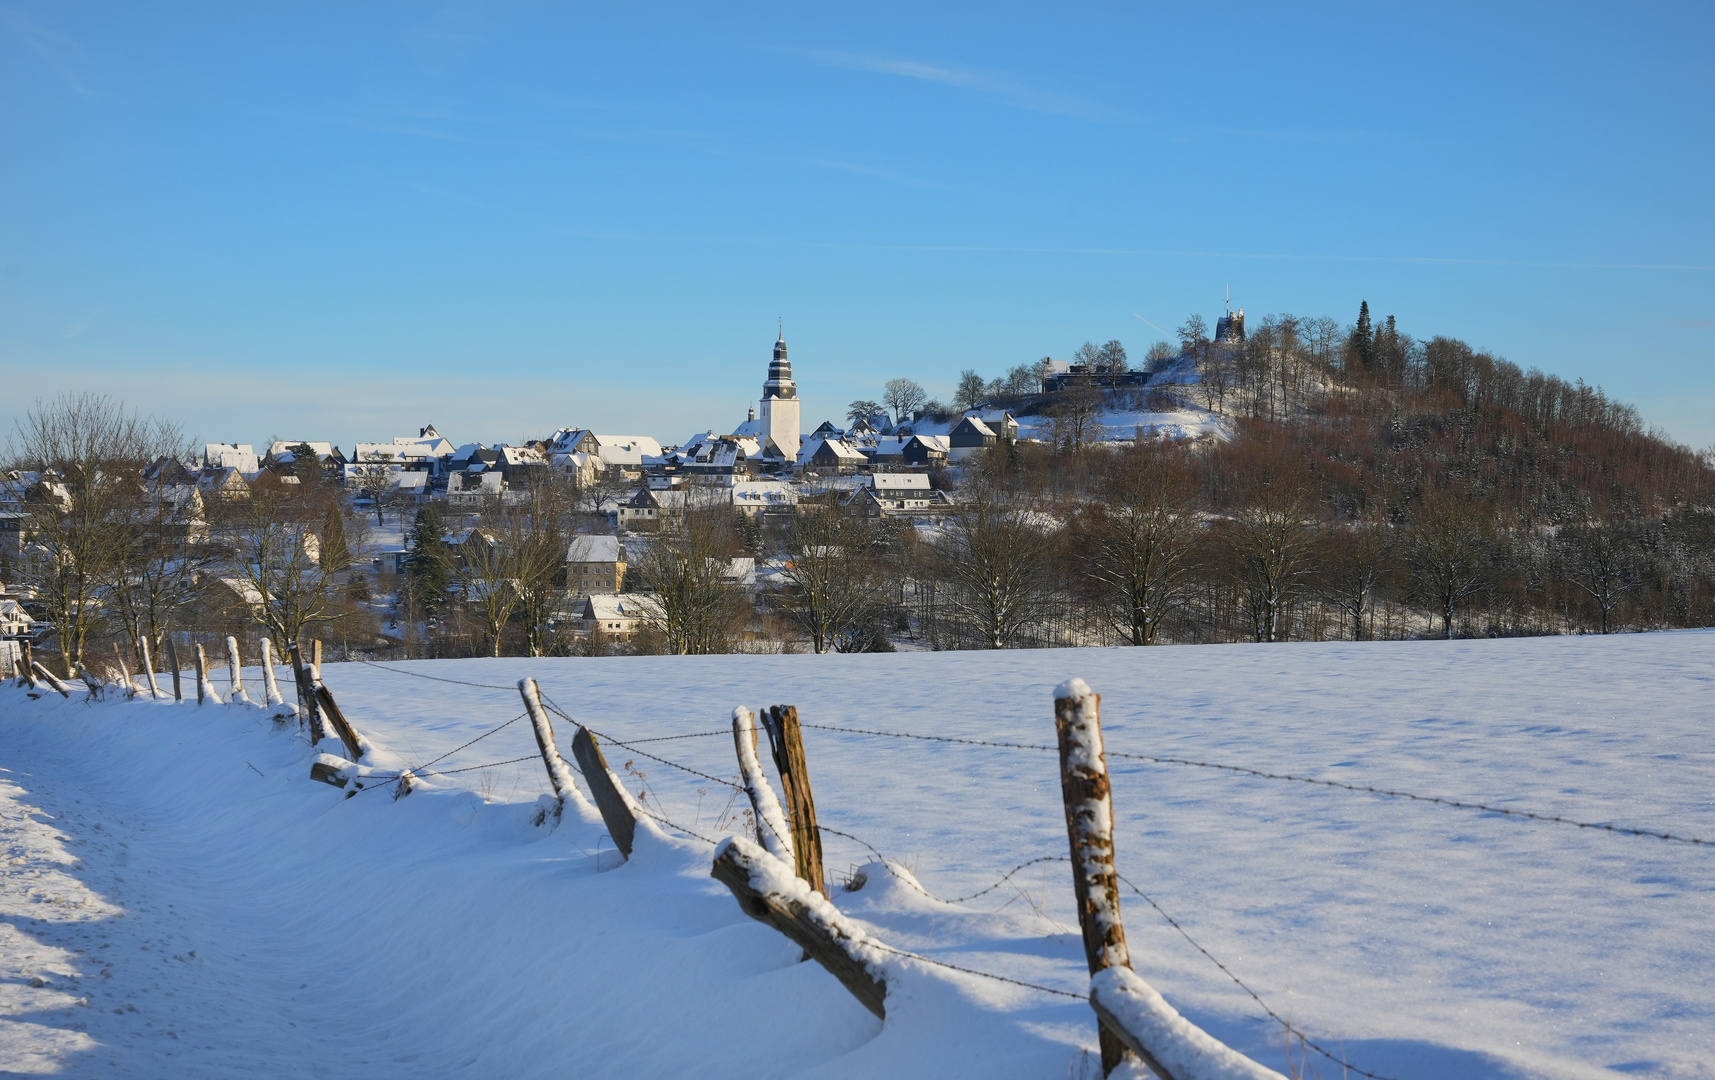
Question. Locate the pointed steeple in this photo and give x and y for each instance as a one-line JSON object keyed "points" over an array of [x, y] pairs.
{"points": [[780, 384]]}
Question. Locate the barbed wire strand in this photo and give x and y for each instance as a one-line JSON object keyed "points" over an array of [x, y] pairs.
{"points": [[1291, 1029], [1367, 789]]}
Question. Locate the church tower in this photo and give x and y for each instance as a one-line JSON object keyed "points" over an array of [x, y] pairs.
{"points": [[780, 420]]}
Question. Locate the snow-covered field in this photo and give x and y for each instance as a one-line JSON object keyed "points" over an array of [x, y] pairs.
{"points": [[181, 900]]}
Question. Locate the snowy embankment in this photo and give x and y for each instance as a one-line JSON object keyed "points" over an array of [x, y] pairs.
{"points": [[191, 904]]}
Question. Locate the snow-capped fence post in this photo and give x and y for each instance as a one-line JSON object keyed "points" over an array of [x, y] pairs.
{"points": [[205, 688], [316, 661], [559, 773], [235, 671], [148, 668], [1089, 829], [347, 733], [307, 695], [772, 832], [173, 662], [610, 800], [268, 681], [124, 671], [768, 893], [787, 742], [50, 678]]}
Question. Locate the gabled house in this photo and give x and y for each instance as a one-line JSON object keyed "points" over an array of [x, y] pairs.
{"points": [[652, 509], [15, 624], [890, 494], [239, 456], [222, 483], [473, 488], [754, 497], [521, 465], [970, 436], [595, 564], [924, 450], [282, 455], [617, 617], [830, 455]]}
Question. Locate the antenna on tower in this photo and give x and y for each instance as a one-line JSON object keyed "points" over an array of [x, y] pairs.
{"points": [[1229, 299]]}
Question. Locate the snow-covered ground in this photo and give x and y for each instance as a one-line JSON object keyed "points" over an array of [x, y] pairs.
{"points": [[191, 904], [1121, 425]]}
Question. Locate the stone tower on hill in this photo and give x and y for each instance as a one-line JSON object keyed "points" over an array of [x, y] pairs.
{"points": [[780, 419]]}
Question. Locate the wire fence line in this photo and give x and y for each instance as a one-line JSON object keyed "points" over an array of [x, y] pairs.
{"points": [[1367, 789], [910, 879]]}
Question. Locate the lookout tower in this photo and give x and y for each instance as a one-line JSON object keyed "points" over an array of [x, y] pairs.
{"points": [[1230, 328]]}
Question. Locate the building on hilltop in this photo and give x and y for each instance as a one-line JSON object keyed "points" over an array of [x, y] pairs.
{"points": [[1230, 328]]}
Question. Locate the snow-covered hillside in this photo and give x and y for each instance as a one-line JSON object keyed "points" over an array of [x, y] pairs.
{"points": [[181, 900]]}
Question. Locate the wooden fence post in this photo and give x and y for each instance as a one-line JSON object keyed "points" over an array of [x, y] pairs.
{"points": [[148, 667], [205, 688], [1089, 829], [316, 661], [306, 694], [235, 672], [173, 662], [772, 832], [50, 678], [610, 799], [789, 905], [29, 664], [124, 670], [347, 734], [559, 773], [268, 681], [787, 742]]}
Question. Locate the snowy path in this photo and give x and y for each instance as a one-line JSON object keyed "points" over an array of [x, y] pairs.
{"points": [[269, 926]]}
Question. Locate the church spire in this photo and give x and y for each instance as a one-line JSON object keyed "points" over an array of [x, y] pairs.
{"points": [[780, 384]]}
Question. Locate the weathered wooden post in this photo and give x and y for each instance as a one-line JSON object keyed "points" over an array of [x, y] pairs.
{"points": [[768, 892], [268, 681], [235, 672], [559, 773], [610, 798], [1089, 829], [787, 742], [316, 661], [307, 695], [29, 665], [772, 832], [173, 662], [205, 688], [347, 734], [50, 678], [148, 667], [124, 671]]}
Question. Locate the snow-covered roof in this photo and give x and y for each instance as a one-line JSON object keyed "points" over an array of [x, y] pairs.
{"points": [[764, 493], [936, 442], [281, 449], [621, 607], [520, 455], [886, 482], [626, 449], [843, 452], [594, 549]]}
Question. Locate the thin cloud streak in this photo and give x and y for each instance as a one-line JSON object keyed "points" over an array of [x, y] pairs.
{"points": [[879, 174], [983, 82]]}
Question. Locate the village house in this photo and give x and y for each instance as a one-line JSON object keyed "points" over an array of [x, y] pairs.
{"points": [[222, 482], [239, 456], [595, 564], [925, 450], [282, 456], [617, 617], [824, 455], [521, 465], [650, 509], [754, 497], [893, 494], [472, 489]]}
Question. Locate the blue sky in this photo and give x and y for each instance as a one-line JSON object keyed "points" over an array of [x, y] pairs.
{"points": [[340, 221]]}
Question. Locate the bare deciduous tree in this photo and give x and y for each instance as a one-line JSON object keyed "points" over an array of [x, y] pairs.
{"points": [[1357, 560], [903, 396], [1134, 542], [1452, 547], [993, 561], [88, 453], [1269, 541], [835, 585], [273, 550], [684, 571]]}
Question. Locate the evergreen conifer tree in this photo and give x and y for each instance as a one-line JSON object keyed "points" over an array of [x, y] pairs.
{"points": [[1364, 338], [428, 566]]}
